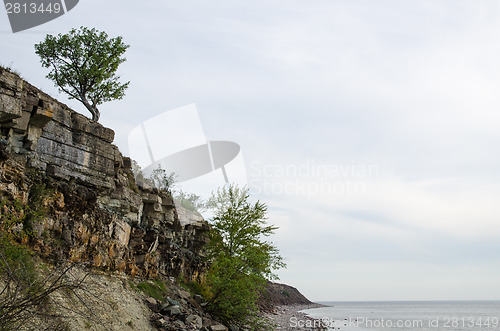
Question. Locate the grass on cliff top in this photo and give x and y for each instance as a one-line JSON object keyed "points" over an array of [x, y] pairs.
{"points": [[9, 69]]}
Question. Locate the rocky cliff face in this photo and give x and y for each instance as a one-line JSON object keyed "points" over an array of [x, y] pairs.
{"points": [[86, 204]]}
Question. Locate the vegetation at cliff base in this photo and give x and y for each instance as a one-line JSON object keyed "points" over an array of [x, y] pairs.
{"points": [[242, 260], [83, 64], [28, 286]]}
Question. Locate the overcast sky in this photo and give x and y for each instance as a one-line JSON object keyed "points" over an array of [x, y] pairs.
{"points": [[370, 128]]}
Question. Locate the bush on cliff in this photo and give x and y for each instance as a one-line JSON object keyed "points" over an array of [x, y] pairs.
{"points": [[242, 260]]}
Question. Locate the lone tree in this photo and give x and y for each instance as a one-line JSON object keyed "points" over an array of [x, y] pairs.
{"points": [[242, 260], [83, 64]]}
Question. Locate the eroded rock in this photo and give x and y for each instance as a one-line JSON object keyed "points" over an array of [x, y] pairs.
{"points": [[95, 211]]}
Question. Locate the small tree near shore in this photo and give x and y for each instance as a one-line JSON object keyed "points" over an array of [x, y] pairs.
{"points": [[241, 259], [83, 64]]}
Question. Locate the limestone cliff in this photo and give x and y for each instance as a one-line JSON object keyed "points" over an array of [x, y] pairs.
{"points": [[93, 210], [69, 194]]}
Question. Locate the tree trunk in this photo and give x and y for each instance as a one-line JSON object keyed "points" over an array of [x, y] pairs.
{"points": [[96, 114], [93, 110]]}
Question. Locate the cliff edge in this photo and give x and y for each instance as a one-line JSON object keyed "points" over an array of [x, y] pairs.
{"points": [[69, 194], [93, 210]]}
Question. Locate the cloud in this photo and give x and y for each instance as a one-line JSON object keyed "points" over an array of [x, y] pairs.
{"points": [[407, 86]]}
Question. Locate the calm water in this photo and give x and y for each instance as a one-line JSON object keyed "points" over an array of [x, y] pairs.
{"points": [[421, 315]]}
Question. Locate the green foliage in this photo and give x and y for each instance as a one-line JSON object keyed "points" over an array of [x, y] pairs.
{"points": [[11, 217], [156, 289], [18, 259], [15, 264], [132, 285], [196, 288], [26, 286], [161, 180], [242, 260], [16, 224], [190, 201], [83, 64], [285, 293], [158, 178], [136, 168], [17, 220], [36, 209]]}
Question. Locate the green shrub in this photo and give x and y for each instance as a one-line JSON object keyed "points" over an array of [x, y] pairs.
{"points": [[285, 293], [16, 259], [14, 213], [36, 210], [242, 260], [197, 288], [191, 202], [156, 289]]}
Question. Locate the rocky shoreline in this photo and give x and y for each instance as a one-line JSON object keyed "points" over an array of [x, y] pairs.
{"points": [[289, 317]]}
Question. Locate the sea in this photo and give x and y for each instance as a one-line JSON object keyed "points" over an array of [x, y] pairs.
{"points": [[406, 315]]}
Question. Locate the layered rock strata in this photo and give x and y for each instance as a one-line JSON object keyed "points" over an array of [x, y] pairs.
{"points": [[89, 207]]}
